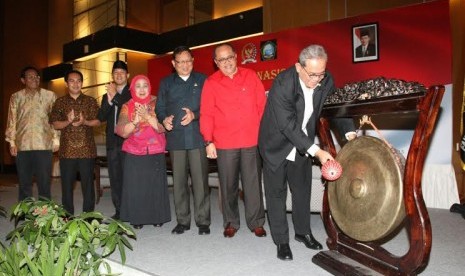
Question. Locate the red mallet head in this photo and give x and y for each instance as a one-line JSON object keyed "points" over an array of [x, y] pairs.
{"points": [[331, 170]]}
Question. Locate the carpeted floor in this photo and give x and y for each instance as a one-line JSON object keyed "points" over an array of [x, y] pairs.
{"points": [[158, 252]]}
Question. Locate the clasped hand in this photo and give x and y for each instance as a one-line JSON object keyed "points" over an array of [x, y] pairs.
{"points": [[111, 91], [185, 120], [143, 115], [75, 120]]}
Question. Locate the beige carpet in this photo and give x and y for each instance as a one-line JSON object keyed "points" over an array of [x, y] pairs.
{"points": [[158, 252]]}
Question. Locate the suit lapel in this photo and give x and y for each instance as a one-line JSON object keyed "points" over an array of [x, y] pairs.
{"points": [[300, 100], [317, 98]]}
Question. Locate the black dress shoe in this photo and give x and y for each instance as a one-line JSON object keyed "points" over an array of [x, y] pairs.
{"points": [[179, 229], [115, 216], [137, 226], [457, 208], [284, 252], [309, 241], [204, 230]]}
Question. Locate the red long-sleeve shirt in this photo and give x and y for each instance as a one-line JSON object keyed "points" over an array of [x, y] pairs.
{"points": [[231, 109]]}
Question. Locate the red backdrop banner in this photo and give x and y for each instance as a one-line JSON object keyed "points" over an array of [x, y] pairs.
{"points": [[414, 45]]}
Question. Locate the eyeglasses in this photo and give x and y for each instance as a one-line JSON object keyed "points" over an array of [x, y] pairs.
{"points": [[32, 77], [226, 59], [183, 62], [315, 76]]}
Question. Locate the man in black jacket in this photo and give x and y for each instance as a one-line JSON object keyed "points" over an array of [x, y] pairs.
{"points": [[117, 94], [178, 107], [287, 144]]}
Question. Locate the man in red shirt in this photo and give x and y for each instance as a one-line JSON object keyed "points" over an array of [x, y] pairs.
{"points": [[232, 104]]}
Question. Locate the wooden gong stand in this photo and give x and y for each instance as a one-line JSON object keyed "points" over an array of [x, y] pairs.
{"points": [[351, 257]]}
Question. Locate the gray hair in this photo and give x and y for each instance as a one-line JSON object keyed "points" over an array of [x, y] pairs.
{"points": [[313, 51]]}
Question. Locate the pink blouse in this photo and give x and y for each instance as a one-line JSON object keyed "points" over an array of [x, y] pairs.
{"points": [[144, 139]]}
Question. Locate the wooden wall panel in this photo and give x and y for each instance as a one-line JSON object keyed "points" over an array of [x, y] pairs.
{"points": [[137, 63], [458, 78], [358, 7], [3, 149], [337, 9], [144, 15], [60, 29], [284, 14], [222, 8], [25, 29], [175, 15]]}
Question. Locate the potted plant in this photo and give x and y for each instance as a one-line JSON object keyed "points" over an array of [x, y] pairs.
{"points": [[48, 241]]}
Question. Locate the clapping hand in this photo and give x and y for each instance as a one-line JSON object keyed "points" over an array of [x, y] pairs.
{"points": [[136, 119], [142, 111], [187, 119], [80, 120], [111, 91], [71, 116]]}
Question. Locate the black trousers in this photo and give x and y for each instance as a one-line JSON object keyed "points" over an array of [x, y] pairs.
{"points": [[246, 163], [68, 170], [30, 163], [115, 159], [299, 176]]}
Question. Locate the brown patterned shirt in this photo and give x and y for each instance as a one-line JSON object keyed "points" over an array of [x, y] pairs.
{"points": [[28, 125], [76, 141]]}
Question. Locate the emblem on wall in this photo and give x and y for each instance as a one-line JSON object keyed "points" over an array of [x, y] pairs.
{"points": [[268, 50], [249, 53]]}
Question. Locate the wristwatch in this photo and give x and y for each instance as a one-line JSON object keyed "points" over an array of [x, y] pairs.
{"points": [[207, 143]]}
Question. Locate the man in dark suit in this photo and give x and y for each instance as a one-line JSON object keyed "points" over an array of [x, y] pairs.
{"points": [[178, 107], [367, 49], [117, 94], [286, 143]]}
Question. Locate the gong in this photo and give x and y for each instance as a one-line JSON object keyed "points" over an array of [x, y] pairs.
{"points": [[366, 202]]}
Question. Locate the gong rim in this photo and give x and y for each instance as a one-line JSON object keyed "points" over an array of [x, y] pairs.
{"points": [[366, 202]]}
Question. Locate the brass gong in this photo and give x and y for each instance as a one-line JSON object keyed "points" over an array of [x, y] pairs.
{"points": [[366, 202]]}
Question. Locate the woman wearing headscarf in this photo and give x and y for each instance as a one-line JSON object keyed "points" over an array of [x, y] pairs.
{"points": [[145, 198]]}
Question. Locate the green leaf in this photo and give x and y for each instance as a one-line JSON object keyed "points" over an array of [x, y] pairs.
{"points": [[107, 268], [110, 246], [84, 231], [92, 215], [55, 222], [75, 260], [38, 239], [48, 225], [127, 229], [62, 260], [126, 242], [32, 267], [112, 228], [122, 251], [72, 231]]}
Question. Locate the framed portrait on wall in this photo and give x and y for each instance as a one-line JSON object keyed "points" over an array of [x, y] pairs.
{"points": [[365, 42]]}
